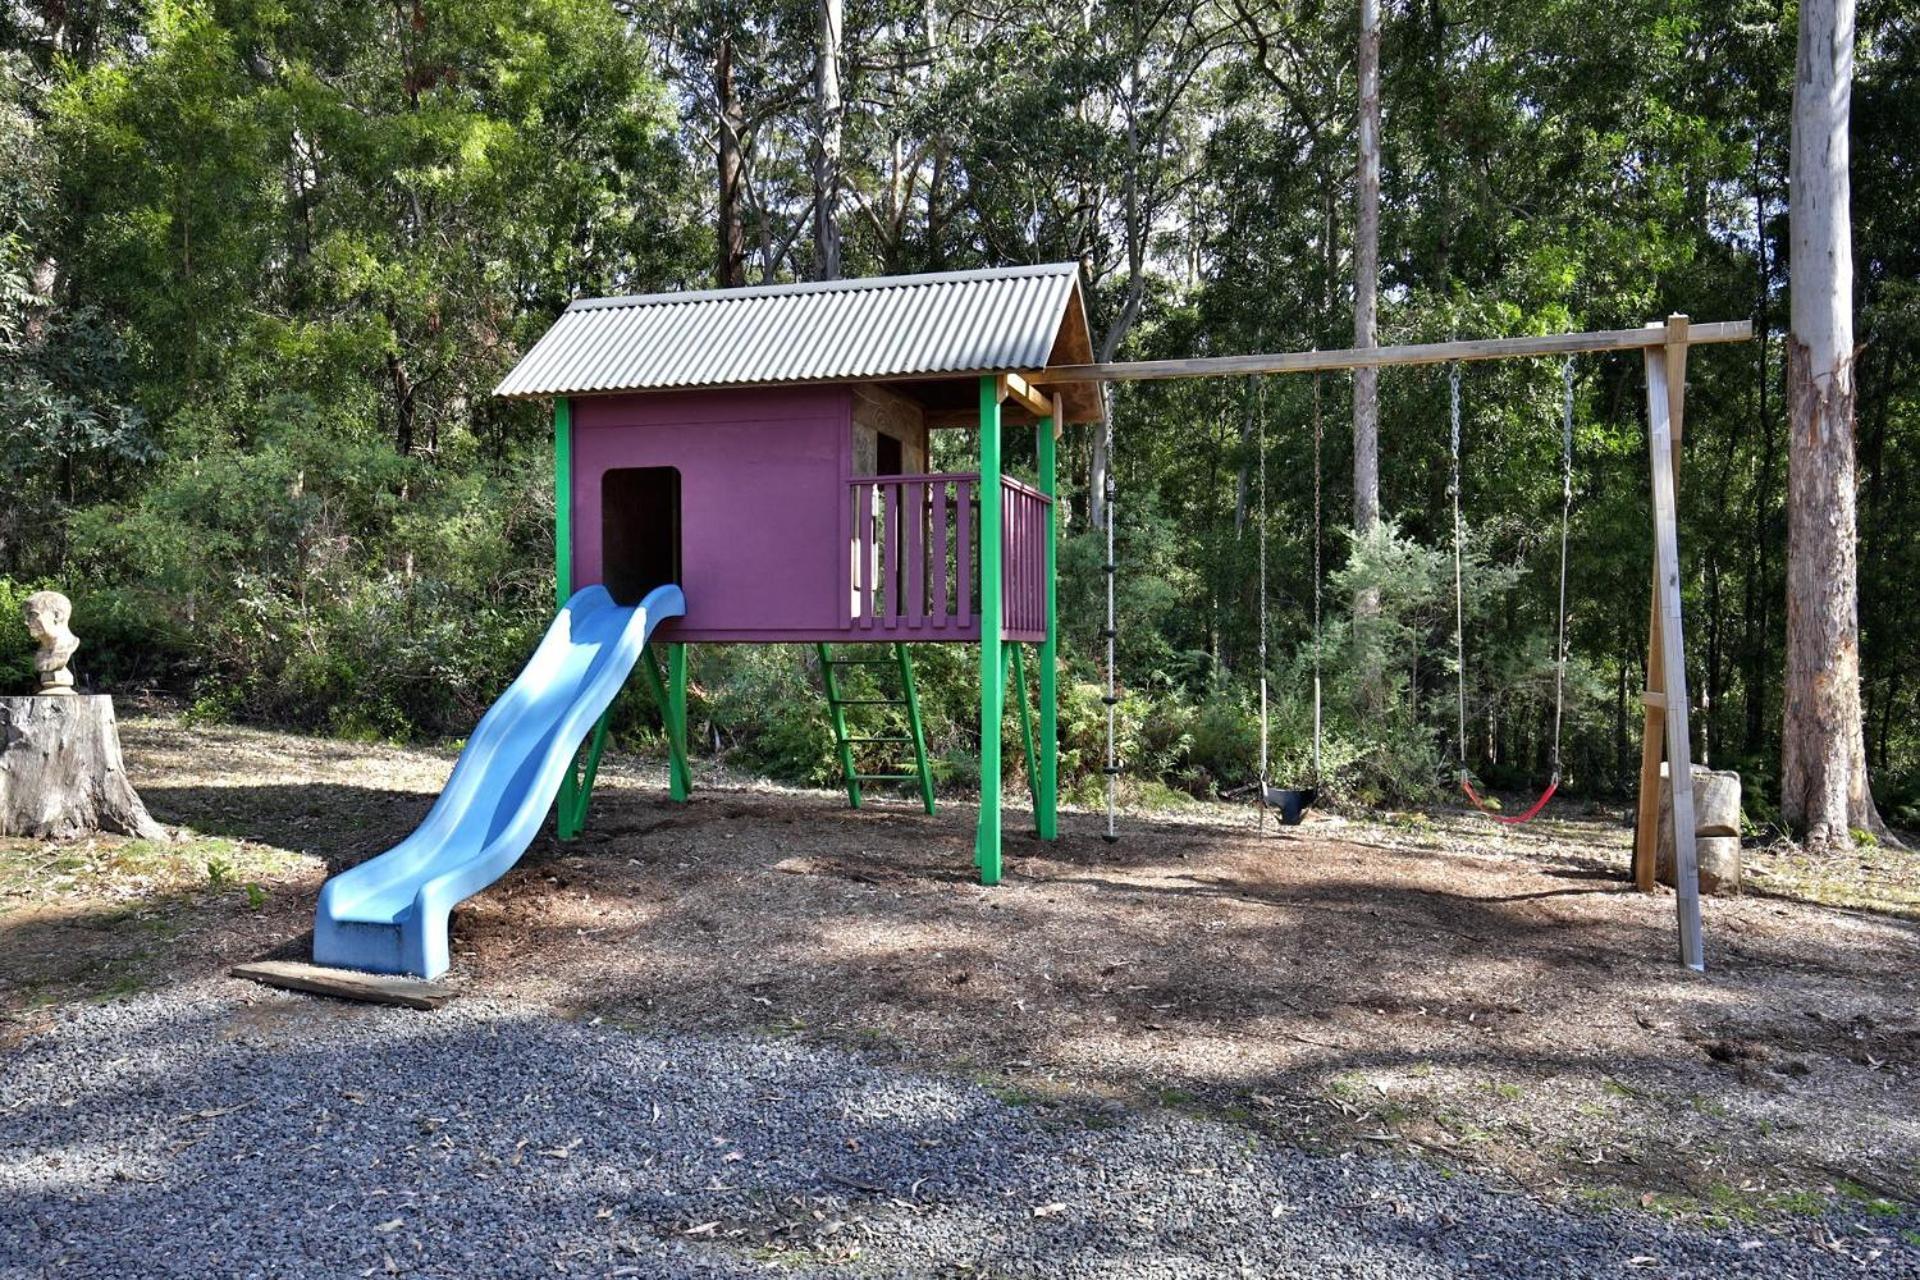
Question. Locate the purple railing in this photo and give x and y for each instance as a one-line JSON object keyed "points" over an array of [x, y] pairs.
{"points": [[916, 563]]}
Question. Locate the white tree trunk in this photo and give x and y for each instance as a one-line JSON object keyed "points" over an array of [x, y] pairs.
{"points": [[61, 773], [1366, 330], [826, 160], [1366, 278], [1823, 789], [731, 268]]}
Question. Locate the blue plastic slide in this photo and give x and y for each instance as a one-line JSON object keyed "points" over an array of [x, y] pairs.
{"points": [[389, 914]]}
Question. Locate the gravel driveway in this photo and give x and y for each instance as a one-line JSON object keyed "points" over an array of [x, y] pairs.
{"points": [[222, 1130]]}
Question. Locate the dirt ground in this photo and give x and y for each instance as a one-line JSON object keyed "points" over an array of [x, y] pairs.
{"points": [[1492, 999]]}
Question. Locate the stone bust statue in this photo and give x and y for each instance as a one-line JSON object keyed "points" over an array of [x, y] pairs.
{"points": [[47, 614]]}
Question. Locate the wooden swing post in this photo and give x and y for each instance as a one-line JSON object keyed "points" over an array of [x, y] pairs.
{"points": [[1666, 696]]}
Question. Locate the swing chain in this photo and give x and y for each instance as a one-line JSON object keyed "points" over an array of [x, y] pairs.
{"points": [[1459, 608], [1260, 391], [1113, 697], [1316, 579], [1566, 519]]}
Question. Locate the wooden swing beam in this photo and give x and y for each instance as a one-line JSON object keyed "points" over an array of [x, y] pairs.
{"points": [[1664, 345], [1546, 344]]}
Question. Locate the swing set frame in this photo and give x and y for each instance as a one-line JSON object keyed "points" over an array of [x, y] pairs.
{"points": [[1664, 346]]}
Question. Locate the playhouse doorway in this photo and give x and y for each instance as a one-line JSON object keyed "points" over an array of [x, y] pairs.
{"points": [[639, 530]]}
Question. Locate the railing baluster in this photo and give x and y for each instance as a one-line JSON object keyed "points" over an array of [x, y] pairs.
{"points": [[937, 592], [916, 503], [1019, 579], [892, 579], [869, 565], [964, 575], [1009, 560]]}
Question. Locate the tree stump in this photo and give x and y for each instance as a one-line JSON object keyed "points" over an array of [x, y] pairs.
{"points": [[1716, 817], [61, 773]]}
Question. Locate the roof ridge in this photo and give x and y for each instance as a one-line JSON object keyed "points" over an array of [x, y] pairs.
{"points": [[850, 285]]}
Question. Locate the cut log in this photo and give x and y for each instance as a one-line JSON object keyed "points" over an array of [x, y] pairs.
{"points": [[1716, 807], [61, 772], [348, 984]]}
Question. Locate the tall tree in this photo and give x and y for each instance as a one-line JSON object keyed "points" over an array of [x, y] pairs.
{"points": [[1366, 286], [1823, 788], [1366, 278], [826, 156], [731, 268]]}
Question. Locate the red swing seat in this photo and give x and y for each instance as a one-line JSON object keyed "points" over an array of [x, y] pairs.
{"points": [[1511, 820]]}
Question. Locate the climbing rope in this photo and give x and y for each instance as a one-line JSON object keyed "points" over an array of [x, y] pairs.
{"points": [[1459, 609], [1111, 633]]}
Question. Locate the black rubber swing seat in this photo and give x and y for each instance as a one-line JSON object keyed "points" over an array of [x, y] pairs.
{"points": [[1291, 803]]}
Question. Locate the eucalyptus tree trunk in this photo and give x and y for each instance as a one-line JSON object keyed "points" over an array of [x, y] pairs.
{"points": [[1366, 278], [1823, 789], [731, 269], [826, 156], [1366, 283]]}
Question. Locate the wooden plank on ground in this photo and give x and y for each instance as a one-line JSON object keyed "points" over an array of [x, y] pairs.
{"points": [[374, 988]]}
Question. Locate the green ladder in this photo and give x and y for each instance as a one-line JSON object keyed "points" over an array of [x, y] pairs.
{"points": [[846, 742]]}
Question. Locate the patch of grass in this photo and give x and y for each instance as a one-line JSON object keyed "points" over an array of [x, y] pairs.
{"points": [[791, 1024], [120, 986], [1349, 1087], [1877, 1205], [1911, 1236], [1708, 1107], [1007, 1092], [1462, 1127], [1720, 1204], [1168, 1096], [1507, 1089], [1804, 1203]]}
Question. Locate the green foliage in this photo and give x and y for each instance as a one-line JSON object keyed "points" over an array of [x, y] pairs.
{"points": [[260, 266], [16, 646]]}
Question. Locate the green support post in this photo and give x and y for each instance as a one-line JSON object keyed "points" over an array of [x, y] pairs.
{"points": [[837, 715], [1046, 803], [562, 501], [993, 688], [679, 776], [571, 818], [1026, 726], [572, 805], [679, 779], [915, 726]]}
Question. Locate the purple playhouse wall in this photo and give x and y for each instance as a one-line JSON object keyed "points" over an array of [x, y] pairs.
{"points": [[763, 514]]}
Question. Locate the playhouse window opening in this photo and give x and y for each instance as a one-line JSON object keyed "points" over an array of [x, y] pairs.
{"points": [[639, 530]]}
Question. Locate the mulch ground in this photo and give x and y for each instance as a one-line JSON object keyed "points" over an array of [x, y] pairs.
{"points": [[1494, 999]]}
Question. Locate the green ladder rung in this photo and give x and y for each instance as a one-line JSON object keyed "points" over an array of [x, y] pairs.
{"points": [[845, 742]]}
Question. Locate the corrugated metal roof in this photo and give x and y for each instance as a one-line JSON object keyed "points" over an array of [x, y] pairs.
{"points": [[964, 322]]}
